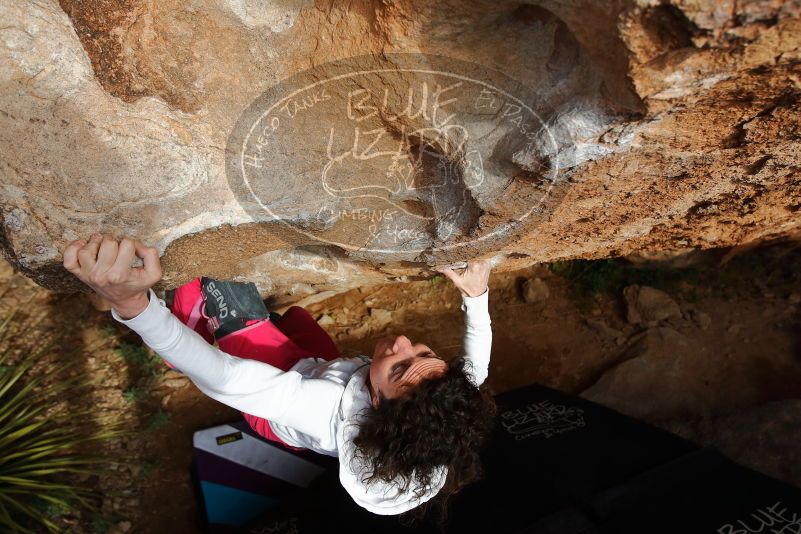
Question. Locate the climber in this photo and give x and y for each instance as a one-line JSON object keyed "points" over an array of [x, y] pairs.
{"points": [[405, 424]]}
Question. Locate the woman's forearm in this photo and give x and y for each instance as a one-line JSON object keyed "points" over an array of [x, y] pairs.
{"points": [[478, 336]]}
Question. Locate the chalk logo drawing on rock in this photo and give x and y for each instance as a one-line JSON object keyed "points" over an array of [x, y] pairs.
{"points": [[542, 419], [395, 155], [774, 519]]}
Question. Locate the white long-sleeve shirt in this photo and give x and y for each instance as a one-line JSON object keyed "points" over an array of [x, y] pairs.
{"points": [[316, 404]]}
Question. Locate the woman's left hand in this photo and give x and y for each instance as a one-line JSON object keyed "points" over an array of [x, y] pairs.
{"points": [[473, 280], [105, 265]]}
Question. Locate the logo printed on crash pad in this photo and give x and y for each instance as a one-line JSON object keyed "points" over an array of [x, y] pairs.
{"points": [[229, 438], [776, 518], [542, 419]]}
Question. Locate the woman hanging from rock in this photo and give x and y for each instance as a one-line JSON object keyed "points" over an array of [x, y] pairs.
{"points": [[405, 424]]}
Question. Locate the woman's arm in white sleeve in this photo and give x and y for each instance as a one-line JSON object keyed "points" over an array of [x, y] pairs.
{"points": [[250, 386], [477, 336]]}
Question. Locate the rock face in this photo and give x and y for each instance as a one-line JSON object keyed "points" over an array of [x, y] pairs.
{"points": [[237, 137], [648, 306], [535, 290], [659, 374]]}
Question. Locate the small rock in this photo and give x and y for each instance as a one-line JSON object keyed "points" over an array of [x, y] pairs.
{"points": [[175, 383], [600, 327], [794, 298], [124, 526], [325, 320], [701, 319], [674, 322], [628, 330], [359, 331], [763, 287], [648, 306], [733, 328], [99, 303], [380, 318], [169, 375], [535, 290]]}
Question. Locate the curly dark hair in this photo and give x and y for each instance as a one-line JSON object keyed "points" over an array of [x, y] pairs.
{"points": [[443, 421]]}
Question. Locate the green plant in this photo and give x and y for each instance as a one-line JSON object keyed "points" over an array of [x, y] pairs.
{"points": [[148, 468], [102, 523], [40, 437], [145, 364], [437, 280], [134, 394], [158, 420], [589, 277], [140, 357], [109, 330]]}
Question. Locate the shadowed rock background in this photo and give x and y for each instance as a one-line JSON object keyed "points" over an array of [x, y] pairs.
{"points": [[681, 122]]}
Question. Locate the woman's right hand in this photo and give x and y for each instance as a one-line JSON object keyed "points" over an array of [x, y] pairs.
{"points": [[106, 265], [473, 280]]}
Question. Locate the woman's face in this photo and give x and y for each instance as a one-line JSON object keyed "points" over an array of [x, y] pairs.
{"points": [[398, 365]]}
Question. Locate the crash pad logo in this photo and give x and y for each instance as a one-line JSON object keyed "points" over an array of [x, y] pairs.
{"points": [[775, 519], [542, 419], [399, 153]]}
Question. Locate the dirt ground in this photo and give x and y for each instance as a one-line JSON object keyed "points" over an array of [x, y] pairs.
{"points": [[722, 367]]}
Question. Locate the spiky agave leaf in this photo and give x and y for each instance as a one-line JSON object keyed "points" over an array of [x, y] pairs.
{"points": [[39, 448]]}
